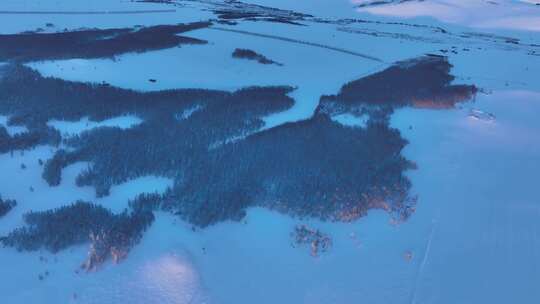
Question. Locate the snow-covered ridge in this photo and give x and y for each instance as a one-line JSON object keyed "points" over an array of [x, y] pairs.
{"points": [[497, 14]]}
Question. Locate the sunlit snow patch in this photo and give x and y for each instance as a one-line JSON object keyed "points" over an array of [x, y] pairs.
{"points": [[171, 278], [350, 120], [168, 278], [158, 270], [503, 14]]}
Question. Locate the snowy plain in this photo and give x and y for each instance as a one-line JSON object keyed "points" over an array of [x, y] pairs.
{"points": [[474, 238]]}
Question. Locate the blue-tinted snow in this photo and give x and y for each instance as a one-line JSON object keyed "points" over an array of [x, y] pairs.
{"points": [[474, 237], [71, 128], [12, 130]]}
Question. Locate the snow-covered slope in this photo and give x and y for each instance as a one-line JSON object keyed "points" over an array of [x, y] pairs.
{"points": [[474, 237], [498, 14]]}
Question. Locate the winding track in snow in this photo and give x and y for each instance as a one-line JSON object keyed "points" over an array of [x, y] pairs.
{"points": [[314, 44]]}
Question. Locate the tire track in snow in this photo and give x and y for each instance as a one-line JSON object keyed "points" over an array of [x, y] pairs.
{"points": [[453, 172], [314, 44], [424, 261]]}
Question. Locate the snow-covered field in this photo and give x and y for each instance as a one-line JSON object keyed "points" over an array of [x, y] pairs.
{"points": [[475, 235], [501, 15]]}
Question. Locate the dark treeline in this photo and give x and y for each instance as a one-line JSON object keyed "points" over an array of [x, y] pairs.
{"points": [[314, 168], [317, 240], [146, 202], [52, 171], [235, 10], [6, 205], [252, 55], [164, 145], [32, 100], [28, 140], [420, 82], [94, 43], [79, 223], [311, 168]]}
